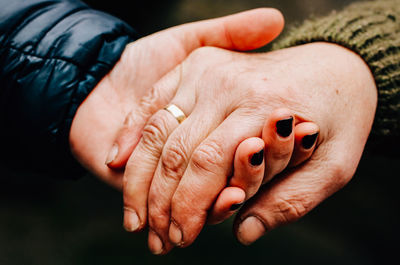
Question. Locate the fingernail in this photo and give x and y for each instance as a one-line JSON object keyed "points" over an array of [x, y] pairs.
{"points": [[250, 230], [235, 206], [128, 120], [257, 158], [131, 220], [284, 127], [155, 243], [112, 154], [175, 234], [308, 141]]}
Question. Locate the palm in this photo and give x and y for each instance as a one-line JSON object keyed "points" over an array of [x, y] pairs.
{"points": [[141, 65]]}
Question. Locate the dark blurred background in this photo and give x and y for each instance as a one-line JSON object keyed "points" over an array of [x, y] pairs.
{"points": [[48, 221]]}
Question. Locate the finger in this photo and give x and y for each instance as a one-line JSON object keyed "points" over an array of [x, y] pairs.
{"points": [[128, 133], [206, 176], [143, 163], [228, 202], [243, 31], [297, 192], [171, 167], [128, 136], [279, 142], [306, 136], [249, 166], [141, 167], [247, 30], [248, 176]]}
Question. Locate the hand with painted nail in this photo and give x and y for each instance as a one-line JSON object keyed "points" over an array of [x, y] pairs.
{"points": [[280, 134], [127, 96], [227, 98], [344, 102], [283, 145]]}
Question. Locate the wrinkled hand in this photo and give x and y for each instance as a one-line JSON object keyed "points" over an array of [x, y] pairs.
{"points": [[119, 99], [341, 96], [227, 97]]}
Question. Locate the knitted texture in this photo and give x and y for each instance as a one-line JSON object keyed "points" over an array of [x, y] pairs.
{"points": [[372, 30]]}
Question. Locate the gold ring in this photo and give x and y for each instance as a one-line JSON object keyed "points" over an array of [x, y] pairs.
{"points": [[176, 112]]}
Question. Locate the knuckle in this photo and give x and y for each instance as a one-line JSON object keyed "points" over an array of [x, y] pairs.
{"points": [[158, 217], [339, 173], [157, 95], [155, 131], [156, 198], [289, 210], [208, 156], [203, 51], [148, 100], [256, 93], [173, 161]]}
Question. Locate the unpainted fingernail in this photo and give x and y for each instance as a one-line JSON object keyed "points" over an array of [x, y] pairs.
{"points": [[250, 230], [112, 154], [257, 158], [308, 141], [175, 234], [235, 206], [128, 120], [285, 127], [131, 220], [156, 246]]}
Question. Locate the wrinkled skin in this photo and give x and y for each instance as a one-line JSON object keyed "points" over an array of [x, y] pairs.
{"points": [[117, 108], [320, 82]]}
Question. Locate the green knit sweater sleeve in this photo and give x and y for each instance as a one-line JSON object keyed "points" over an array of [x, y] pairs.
{"points": [[371, 29]]}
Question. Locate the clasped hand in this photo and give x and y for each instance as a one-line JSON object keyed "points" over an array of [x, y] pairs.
{"points": [[178, 176]]}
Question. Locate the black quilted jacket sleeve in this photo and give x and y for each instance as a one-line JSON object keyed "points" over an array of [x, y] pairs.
{"points": [[52, 54]]}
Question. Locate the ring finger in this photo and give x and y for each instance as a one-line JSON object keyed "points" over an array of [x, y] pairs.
{"points": [[141, 166], [171, 166], [143, 161]]}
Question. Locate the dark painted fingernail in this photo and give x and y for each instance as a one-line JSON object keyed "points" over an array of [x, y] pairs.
{"points": [[308, 141], [285, 127], [236, 206], [257, 158]]}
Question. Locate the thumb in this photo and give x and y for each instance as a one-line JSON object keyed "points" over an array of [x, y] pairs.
{"points": [[295, 193], [242, 31]]}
